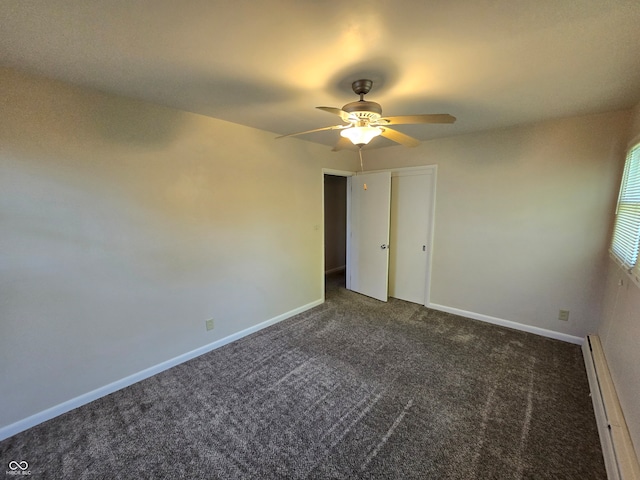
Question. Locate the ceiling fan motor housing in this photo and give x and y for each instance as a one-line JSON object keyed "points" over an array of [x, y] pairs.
{"points": [[364, 110]]}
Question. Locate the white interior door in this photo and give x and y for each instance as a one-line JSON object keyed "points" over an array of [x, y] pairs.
{"points": [[412, 197], [369, 252]]}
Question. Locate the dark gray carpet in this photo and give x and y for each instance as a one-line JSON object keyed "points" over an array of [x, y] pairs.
{"points": [[354, 388]]}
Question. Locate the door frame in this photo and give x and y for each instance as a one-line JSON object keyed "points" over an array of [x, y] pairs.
{"points": [[394, 172], [348, 174]]}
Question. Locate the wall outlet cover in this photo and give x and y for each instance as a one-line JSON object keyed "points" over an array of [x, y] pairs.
{"points": [[209, 324]]}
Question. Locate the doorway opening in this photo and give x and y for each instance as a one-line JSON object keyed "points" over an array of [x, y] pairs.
{"points": [[335, 230], [336, 217]]}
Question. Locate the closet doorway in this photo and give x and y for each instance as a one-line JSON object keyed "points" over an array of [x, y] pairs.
{"points": [[410, 236], [411, 233]]}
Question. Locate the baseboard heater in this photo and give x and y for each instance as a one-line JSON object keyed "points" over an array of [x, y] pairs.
{"points": [[619, 455]]}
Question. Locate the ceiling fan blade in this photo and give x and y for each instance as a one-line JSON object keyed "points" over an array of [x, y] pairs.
{"points": [[425, 118], [334, 127], [336, 111], [400, 138], [342, 144]]}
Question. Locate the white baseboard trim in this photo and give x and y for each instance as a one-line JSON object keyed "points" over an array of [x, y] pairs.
{"points": [[508, 323], [334, 270], [64, 407]]}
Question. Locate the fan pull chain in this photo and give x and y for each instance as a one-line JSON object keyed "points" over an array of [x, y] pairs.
{"points": [[364, 186]]}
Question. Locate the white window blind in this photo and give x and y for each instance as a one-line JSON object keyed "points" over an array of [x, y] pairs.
{"points": [[626, 234]]}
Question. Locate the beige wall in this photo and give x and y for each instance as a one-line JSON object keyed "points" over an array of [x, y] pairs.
{"points": [[620, 331], [124, 226], [523, 218]]}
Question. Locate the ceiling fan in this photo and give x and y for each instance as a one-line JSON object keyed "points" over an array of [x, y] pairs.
{"points": [[363, 121]]}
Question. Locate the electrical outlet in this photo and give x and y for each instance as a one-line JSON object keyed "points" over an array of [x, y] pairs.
{"points": [[563, 316], [209, 324]]}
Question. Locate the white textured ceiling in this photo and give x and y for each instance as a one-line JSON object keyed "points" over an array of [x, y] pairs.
{"points": [[267, 64]]}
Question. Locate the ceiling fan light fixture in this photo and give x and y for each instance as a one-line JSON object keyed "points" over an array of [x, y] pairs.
{"points": [[360, 135]]}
